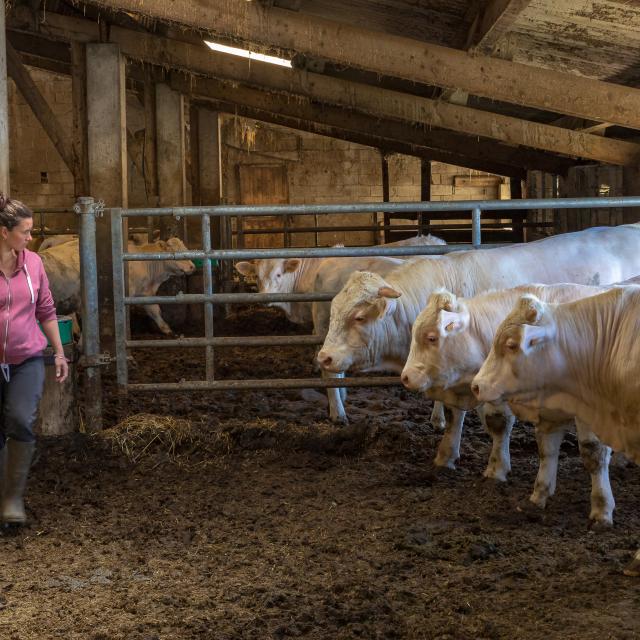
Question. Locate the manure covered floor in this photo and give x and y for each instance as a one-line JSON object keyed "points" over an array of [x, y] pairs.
{"points": [[272, 523]]}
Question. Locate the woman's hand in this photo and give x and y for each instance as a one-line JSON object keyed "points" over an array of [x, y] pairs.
{"points": [[62, 367]]}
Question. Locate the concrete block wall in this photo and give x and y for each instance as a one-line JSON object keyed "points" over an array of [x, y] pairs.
{"points": [[38, 175]]}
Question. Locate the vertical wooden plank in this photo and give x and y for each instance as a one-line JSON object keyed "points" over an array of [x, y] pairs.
{"points": [[79, 105], [107, 152], [515, 187]]}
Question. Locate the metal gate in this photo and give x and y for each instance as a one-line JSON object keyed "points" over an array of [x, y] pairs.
{"points": [[208, 297]]}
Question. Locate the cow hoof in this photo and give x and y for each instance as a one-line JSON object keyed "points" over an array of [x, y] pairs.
{"points": [[340, 421], [600, 523], [633, 568], [539, 500], [499, 475], [445, 463]]}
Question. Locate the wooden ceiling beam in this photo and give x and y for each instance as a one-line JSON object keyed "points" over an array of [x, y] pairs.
{"points": [[383, 143], [398, 56], [328, 116], [368, 99], [495, 21]]}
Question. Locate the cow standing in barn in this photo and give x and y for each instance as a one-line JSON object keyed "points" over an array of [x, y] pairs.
{"points": [[451, 339], [62, 263], [371, 317], [582, 357], [325, 275]]}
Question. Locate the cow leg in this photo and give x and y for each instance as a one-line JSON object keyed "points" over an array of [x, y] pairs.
{"points": [[549, 437], [153, 311], [498, 422], [633, 568], [595, 457], [437, 416], [337, 413], [321, 313], [449, 448]]}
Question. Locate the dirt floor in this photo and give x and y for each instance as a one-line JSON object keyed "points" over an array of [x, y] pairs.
{"points": [[268, 522]]}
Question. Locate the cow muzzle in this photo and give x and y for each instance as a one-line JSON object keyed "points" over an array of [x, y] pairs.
{"points": [[329, 361], [415, 379]]}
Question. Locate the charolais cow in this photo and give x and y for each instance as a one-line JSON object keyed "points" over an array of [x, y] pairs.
{"points": [[579, 357], [371, 317], [451, 339], [62, 264], [322, 275]]}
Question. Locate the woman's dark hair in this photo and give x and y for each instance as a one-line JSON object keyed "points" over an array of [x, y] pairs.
{"points": [[12, 211]]}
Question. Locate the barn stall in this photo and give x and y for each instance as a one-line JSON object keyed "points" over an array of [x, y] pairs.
{"points": [[200, 502]]}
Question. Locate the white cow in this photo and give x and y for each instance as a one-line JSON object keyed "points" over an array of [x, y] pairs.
{"points": [[323, 275], [62, 264], [371, 317], [580, 357], [451, 339]]}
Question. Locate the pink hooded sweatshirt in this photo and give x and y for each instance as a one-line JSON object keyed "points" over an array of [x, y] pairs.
{"points": [[24, 298]]}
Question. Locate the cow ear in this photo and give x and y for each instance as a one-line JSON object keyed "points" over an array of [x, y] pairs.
{"points": [[388, 292], [533, 335], [451, 322], [291, 265], [444, 299], [156, 235], [247, 269], [531, 308], [162, 244]]}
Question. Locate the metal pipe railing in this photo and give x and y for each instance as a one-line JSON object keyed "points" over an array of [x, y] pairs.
{"points": [[209, 298]]}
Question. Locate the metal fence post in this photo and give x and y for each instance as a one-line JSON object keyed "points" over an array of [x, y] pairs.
{"points": [[119, 311], [476, 238], [87, 208], [208, 290]]}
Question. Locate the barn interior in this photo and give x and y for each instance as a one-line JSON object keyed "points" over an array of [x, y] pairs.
{"points": [[247, 513]]}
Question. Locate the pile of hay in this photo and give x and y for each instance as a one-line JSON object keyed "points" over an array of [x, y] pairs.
{"points": [[145, 435]]}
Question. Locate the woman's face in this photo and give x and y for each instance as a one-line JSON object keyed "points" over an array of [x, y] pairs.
{"points": [[18, 238]]}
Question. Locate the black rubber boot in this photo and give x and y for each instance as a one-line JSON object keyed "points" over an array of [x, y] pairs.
{"points": [[16, 471]]}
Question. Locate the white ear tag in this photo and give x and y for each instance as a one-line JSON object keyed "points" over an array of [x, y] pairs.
{"points": [[450, 322], [532, 336]]}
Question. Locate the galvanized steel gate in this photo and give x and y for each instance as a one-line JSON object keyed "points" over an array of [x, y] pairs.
{"points": [[209, 341]]}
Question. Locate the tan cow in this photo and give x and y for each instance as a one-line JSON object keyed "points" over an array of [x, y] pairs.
{"points": [[62, 264], [451, 339], [579, 357], [323, 275]]}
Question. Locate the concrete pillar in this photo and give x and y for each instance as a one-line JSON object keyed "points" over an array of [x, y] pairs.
{"points": [[4, 108], [107, 150], [170, 141]]}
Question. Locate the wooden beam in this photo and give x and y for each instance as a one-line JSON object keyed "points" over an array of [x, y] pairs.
{"points": [[80, 120], [40, 108], [373, 100], [400, 57], [363, 137], [497, 18]]}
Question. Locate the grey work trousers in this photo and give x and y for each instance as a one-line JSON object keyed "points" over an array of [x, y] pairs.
{"points": [[19, 399]]}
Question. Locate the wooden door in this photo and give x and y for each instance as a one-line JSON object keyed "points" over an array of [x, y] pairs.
{"points": [[262, 184]]}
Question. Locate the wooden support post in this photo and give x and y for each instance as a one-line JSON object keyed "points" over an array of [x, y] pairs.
{"points": [[4, 109], [385, 193], [150, 150], [79, 100], [425, 193], [106, 113], [170, 144]]}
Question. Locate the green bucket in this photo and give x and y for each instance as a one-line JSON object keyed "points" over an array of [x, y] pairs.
{"points": [[65, 326], [199, 262]]}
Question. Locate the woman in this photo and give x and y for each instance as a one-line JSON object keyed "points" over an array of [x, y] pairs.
{"points": [[24, 298]]}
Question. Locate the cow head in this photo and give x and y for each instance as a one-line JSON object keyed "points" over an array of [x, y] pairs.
{"points": [[176, 267], [356, 332], [523, 357], [276, 275], [442, 355]]}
